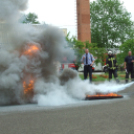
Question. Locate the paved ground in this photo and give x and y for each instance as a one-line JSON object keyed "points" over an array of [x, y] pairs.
{"points": [[114, 117]]}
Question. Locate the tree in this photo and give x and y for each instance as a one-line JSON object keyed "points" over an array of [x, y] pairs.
{"points": [[98, 52], [31, 18], [79, 47], [110, 23], [124, 48]]}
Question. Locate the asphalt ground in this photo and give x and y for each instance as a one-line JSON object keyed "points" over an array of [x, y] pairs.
{"points": [[95, 117]]}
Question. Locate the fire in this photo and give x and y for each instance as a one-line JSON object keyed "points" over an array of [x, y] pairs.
{"points": [[28, 88], [28, 79], [103, 96], [31, 50]]}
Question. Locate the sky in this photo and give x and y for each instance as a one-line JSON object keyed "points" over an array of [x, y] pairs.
{"points": [[62, 13]]}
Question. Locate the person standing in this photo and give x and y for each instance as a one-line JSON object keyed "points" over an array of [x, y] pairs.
{"points": [[111, 63], [128, 65], [88, 60]]}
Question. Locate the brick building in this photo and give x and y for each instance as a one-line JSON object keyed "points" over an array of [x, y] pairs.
{"points": [[83, 20]]}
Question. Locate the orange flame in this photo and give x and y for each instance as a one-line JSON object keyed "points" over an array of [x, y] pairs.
{"points": [[104, 95], [28, 88], [31, 49]]}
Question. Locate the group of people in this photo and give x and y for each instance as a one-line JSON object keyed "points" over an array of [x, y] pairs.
{"points": [[111, 64]]}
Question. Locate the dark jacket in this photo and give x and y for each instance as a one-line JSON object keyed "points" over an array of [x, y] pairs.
{"points": [[129, 62], [111, 62]]}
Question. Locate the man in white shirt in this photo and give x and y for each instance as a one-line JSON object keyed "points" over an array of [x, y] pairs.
{"points": [[88, 60]]}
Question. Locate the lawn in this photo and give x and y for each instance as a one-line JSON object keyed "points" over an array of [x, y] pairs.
{"points": [[104, 76]]}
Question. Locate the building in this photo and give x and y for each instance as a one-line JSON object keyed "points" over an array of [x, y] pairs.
{"points": [[83, 20]]}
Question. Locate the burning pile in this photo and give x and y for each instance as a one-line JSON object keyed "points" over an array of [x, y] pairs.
{"points": [[30, 51], [28, 87], [103, 96]]}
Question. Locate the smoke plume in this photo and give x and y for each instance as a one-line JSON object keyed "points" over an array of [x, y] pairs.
{"points": [[16, 67], [10, 9]]}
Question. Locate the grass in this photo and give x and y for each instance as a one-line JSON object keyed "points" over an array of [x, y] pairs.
{"points": [[94, 77], [103, 77]]}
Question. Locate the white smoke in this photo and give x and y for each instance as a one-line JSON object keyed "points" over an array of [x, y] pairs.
{"points": [[15, 66], [10, 9], [73, 91]]}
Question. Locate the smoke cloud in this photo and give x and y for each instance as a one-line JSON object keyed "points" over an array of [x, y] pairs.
{"points": [[10, 9], [73, 91], [16, 67]]}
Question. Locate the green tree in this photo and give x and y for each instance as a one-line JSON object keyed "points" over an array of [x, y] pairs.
{"points": [[110, 23], [31, 18], [124, 48], [79, 48], [98, 52]]}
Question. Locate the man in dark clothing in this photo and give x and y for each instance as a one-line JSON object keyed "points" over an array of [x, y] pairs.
{"points": [[128, 65], [112, 65]]}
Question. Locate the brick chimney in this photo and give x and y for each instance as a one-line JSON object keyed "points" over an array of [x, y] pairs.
{"points": [[83, 20]]}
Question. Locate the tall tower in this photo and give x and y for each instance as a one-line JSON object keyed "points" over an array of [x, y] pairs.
{"points": [[83, 20]]}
